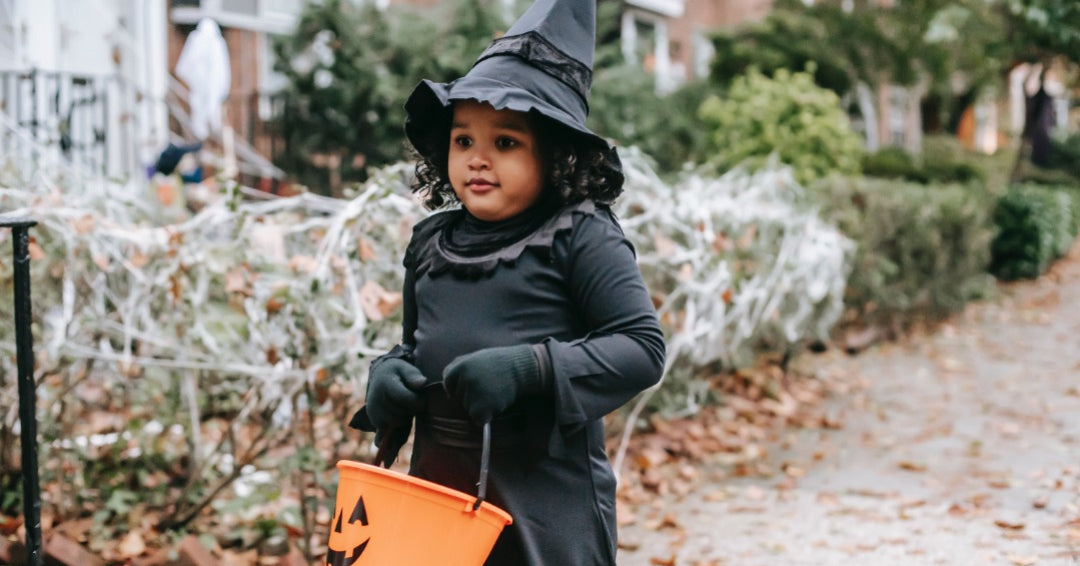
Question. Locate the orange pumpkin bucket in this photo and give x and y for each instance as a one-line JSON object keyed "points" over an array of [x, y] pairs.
{"points": [[384, 518]]}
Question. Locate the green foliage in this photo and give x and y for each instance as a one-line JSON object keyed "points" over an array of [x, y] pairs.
{"points": [[1065, 156], [922, 250], [349, 70], [895, 163], [1042, 28], [898, 45], [1036, 225], [10, 493], [624, 106], [788, 115], [955, 47], [892, 163], [791, 37]]}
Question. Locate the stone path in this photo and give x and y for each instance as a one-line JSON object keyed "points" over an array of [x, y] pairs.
{"points": [[964, 448]]}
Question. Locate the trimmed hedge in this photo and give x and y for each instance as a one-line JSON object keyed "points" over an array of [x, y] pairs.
{"points": [[895, 163], [1036, 225], [922, 250], [1065, 155]]}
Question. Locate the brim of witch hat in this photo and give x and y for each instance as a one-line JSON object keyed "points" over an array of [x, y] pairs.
{"points": [[495, 81]]}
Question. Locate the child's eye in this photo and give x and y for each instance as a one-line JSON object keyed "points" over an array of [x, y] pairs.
{"points": [[463, 141], [505, 143]]}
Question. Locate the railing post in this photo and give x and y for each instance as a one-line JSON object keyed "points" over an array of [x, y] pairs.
{"points": [[24, 348]]}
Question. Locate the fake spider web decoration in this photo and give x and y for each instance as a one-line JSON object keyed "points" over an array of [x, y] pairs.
{"points": [[258, 299]]}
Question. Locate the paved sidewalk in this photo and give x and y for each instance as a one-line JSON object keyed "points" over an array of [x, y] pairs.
{"points": [[964, 449]]}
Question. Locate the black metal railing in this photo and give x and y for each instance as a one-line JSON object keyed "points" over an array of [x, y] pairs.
{"points": [[63, 110], [97, 121], [24, 351]]}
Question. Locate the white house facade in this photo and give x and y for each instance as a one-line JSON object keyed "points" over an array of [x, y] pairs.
{"points": [[87, 77]]}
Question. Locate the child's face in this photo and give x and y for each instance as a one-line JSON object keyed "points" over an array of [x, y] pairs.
{"points": [[494, 162]]}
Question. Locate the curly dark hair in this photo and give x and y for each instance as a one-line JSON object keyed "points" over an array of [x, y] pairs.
{"points": [[576, 167]]}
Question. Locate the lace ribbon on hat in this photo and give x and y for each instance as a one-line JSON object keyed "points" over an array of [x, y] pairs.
{"points": [[540, 53]]}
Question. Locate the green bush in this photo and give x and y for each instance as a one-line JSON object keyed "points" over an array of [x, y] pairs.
{"points": [[624, 106], [951, 172], [1065, 155], [891, 163], [349, 66], [787, 115], [1036, 225], [922, 249], [936, 166]]}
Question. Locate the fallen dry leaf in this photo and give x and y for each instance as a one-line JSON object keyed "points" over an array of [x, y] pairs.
{"points": [[378, 303], [9, 525], [366, 249], [303, 263], [958, 511], [664, 246], [84, 224], [230, 558], [1022, 560], [624, 516], [1009, 525], [236, 281], [36, 253], [662, 561], [912, 466], [139, 259], [101, 261], [273, 305], [669, 522], [716, 495], [132, 545]]}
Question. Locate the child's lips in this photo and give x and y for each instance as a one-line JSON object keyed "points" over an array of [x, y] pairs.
{"points": [[478, 186]]}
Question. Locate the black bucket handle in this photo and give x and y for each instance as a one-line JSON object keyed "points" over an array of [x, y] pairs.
{"points": [[485, 462]]}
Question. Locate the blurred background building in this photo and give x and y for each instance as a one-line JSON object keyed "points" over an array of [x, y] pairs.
{"points": [[95, 79]]}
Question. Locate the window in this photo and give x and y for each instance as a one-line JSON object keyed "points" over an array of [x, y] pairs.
{"points": [[245, 7]]}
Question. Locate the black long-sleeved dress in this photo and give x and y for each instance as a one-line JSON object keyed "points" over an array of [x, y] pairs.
{"points": [[572, 286]]}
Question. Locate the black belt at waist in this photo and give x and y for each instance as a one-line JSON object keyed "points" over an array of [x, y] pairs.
{"points": [[506, 431]]}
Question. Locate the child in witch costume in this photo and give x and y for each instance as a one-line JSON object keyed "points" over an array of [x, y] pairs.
{"points": [[524, 307]]}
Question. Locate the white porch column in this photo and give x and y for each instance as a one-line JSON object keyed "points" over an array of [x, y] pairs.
{"points": [[628, 36], [664, 81], [150, 29]]}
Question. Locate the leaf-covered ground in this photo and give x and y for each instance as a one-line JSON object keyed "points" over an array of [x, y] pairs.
{"points": [[959, 446]]}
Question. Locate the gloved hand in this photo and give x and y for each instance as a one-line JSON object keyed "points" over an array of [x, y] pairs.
{"points": [[393, 393], [487, 382]]}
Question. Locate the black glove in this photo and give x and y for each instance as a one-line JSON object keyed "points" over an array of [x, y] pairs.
{"points": [[488, 381], [393, 393]]}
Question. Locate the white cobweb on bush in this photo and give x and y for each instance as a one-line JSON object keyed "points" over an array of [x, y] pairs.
{"points": [[260, 299], [733, 261]]}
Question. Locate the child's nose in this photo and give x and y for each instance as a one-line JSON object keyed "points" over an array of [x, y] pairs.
{"points": [[479, 161]]}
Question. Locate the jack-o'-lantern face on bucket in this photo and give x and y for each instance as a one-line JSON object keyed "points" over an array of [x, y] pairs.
{"points": [[348, 532]]}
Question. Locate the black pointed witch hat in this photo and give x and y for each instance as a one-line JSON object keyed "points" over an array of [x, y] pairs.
{"points": [[543, 64]]}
